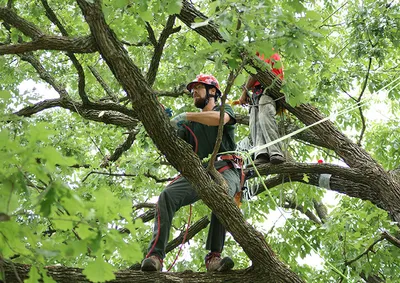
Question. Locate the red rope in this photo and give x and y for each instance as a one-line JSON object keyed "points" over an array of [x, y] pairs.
{"points": [[194, 137], [190, 212], [158, 233], [184, 239]]}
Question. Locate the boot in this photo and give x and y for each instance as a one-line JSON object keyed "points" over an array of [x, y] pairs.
{"points": [[277, 159], [152, 263], [215, 263]]}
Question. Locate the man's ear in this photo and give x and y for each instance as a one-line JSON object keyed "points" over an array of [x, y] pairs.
{"points": [[212, 91]]}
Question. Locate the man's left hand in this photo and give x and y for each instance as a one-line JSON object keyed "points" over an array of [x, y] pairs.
{"points": [[179, 120]]}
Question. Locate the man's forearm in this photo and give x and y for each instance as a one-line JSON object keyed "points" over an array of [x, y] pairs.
{"points": [[250, 82], [210, 118]]}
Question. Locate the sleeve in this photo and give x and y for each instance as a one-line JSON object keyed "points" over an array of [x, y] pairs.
{"points": [[229, 111]]}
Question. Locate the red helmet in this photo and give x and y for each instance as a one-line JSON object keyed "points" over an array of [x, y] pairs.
{"points": [[205, 79]]}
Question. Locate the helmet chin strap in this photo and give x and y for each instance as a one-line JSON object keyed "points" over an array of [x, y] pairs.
{"points": [[207, 97]]}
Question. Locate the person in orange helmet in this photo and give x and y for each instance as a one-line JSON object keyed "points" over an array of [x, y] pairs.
{"points": [[263, 127]]}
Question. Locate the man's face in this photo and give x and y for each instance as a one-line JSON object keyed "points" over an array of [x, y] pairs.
{"points": [[199, 95]]}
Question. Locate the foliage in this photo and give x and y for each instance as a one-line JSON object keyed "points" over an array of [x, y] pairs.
{"points": [[66, 214]]}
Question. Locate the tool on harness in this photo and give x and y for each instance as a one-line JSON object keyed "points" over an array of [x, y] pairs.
{"points": [[236, 161]]}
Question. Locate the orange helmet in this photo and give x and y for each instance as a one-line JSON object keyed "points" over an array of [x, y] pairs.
{"points": [[209, 80]]}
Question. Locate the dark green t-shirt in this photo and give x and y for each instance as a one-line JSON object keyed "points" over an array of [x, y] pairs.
{"points": [[207, 135]]}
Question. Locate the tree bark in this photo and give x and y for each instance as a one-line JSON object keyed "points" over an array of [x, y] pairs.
{"points": [[62, 274]]}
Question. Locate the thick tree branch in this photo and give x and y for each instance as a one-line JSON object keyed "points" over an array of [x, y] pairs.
{"points": [[350, 174], [40, 41], [75, 45], [26, 27], [189, 15], [152, 36], [109, 114], [337, 184], [63, 274]]}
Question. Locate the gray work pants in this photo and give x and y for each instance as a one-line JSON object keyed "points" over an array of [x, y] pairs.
{"points": [[181, 193], [263, 126]]}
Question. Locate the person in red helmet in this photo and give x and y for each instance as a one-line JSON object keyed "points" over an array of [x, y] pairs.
{"points": [[200, 129], [263, 127]]}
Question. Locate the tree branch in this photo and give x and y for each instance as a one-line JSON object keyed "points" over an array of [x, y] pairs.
{"points": [[27, 28], [369, 249], [75, 45], [152, 36], [120, 149], [81, 74], [292, 205], [337, 184], [359, 100], [386, 235], [158, 48], [107, 113], [103, 84]]}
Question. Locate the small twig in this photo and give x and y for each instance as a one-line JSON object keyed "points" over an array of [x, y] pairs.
{"points": [[152, 36], [120, 149], [231, 79], [144, 205], [369, 249], [334, 12], [103, 84], [12, 264], [391, 239], [359, 101], [158, 180], [108, 174], [138, 44]]}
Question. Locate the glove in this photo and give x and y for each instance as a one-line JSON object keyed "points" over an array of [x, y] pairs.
{"points": [[178, 121], [168, 111]]}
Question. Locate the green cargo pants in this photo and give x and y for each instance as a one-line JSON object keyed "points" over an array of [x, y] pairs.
{"points": [[181, 193]]}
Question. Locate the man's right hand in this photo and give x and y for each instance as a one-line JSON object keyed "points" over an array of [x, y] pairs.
{"points": [[178, 121]]}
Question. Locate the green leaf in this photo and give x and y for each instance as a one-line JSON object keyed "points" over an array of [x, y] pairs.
{"points": [[48, 200], [147, 16], [5, 95], [120, 3], [45, 277], [63, 225], [74, 249], [174, 7], [99, 271], [84, 231], [240, 79], [33, 274], [305, 178]]}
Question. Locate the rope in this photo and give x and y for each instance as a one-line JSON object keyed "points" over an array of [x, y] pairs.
{"points": [[184, 239]]}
